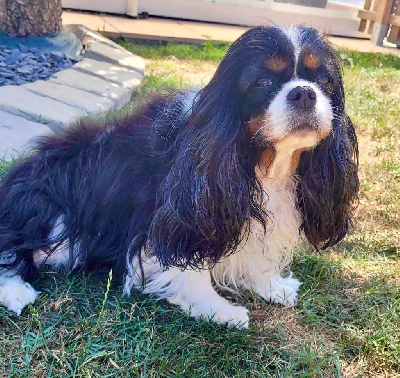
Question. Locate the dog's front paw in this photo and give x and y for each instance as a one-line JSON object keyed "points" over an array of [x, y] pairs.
{"points": [[15, 294], [215, 309], [281, 290], [233, 316]]}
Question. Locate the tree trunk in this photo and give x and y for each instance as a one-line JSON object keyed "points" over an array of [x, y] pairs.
{"points": [[30, 17]]}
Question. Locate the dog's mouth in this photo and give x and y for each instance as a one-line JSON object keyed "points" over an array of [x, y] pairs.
{"points": [[309, 129], [304, 125], [304, 132]]}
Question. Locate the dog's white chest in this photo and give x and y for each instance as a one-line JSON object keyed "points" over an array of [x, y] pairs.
{"points": [[282, 234]]}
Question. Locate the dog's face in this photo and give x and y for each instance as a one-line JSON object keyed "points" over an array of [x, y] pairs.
{"points": [[273, 109], [287, 84]]}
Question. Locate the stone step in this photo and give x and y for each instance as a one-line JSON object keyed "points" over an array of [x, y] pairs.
{"points": [[120, 75], [86, 82], [103, 81], [16, 134], [86, 102], [23, 103], [122, 57]]}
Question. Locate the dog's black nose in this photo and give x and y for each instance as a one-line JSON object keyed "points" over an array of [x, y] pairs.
{"points": [[302, 97]]}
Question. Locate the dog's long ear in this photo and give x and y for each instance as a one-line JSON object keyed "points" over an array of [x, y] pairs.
{"points": [[210, 192], [329, 181]]}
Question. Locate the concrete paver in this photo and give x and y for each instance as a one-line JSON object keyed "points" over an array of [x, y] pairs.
{"points": [[363, 45], [84, 101], [103, 80], [80, 80], [16, 134], [100, 51], [23, 103], [116, 74], [153, 29], [95, 23], [216, 32]]}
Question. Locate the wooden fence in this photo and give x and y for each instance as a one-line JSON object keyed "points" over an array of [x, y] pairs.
{"points": [[381, 19]]}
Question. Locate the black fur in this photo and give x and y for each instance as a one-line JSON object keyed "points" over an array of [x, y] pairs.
{"points": [[178, 180], [329, 181]]}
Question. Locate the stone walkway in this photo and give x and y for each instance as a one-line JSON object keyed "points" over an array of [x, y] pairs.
{"points": [[102, 81]]}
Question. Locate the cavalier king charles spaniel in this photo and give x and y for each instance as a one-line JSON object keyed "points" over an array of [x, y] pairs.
{"points": [[196, 190]]}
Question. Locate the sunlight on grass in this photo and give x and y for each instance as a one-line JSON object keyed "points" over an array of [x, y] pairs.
{"points": [[347, 321], [207, 51]]}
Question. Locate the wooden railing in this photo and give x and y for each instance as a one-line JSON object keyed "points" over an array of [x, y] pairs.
{"points": [[381, 19]]}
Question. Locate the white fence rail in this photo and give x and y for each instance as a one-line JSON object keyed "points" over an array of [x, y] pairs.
{"points": [[335, 18], [128, 7]]}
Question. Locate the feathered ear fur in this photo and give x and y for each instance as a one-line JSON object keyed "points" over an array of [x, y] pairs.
{"points": [[329, 181], [210, 192]]}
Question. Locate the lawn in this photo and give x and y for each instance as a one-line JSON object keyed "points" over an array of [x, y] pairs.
{"points": [[347, 320]]}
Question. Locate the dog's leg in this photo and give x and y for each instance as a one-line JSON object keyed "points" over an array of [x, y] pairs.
{"points": [[277, 289], [191, 290], [256, 272], [15, 293]]}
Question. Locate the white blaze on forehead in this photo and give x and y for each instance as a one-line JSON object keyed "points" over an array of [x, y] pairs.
{"points": [[294, 37], [281, 118]]}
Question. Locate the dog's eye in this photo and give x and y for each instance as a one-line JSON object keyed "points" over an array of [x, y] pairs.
{"points": [[323, 79], [264, 82]]}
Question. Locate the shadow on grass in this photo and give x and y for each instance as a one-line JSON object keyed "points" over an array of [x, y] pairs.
{"points": [[363, 310], [78, 328]]}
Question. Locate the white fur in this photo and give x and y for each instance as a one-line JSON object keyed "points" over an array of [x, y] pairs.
{"points": [[259, 262], [60, 257], [191, 290], [280, 118], [15, 294], [294, 37], [257, 265]]}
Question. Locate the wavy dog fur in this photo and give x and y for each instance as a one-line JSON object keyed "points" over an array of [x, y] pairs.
{"points": [[175, 183]]}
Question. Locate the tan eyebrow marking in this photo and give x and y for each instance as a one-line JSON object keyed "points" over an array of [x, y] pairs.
{"points": [[275, 64], [311, 61]]}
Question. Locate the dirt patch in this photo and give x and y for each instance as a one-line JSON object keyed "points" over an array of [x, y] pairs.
{"points": [[273, 318], [196, 72]]}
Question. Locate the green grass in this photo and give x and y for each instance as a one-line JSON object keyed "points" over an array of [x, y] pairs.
{"points": [[160, 84], [4, 166], [208, 51], [347, 320]]}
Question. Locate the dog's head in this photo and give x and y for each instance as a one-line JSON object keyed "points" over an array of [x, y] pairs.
{"points": [[288, 83], [274, 90]]}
